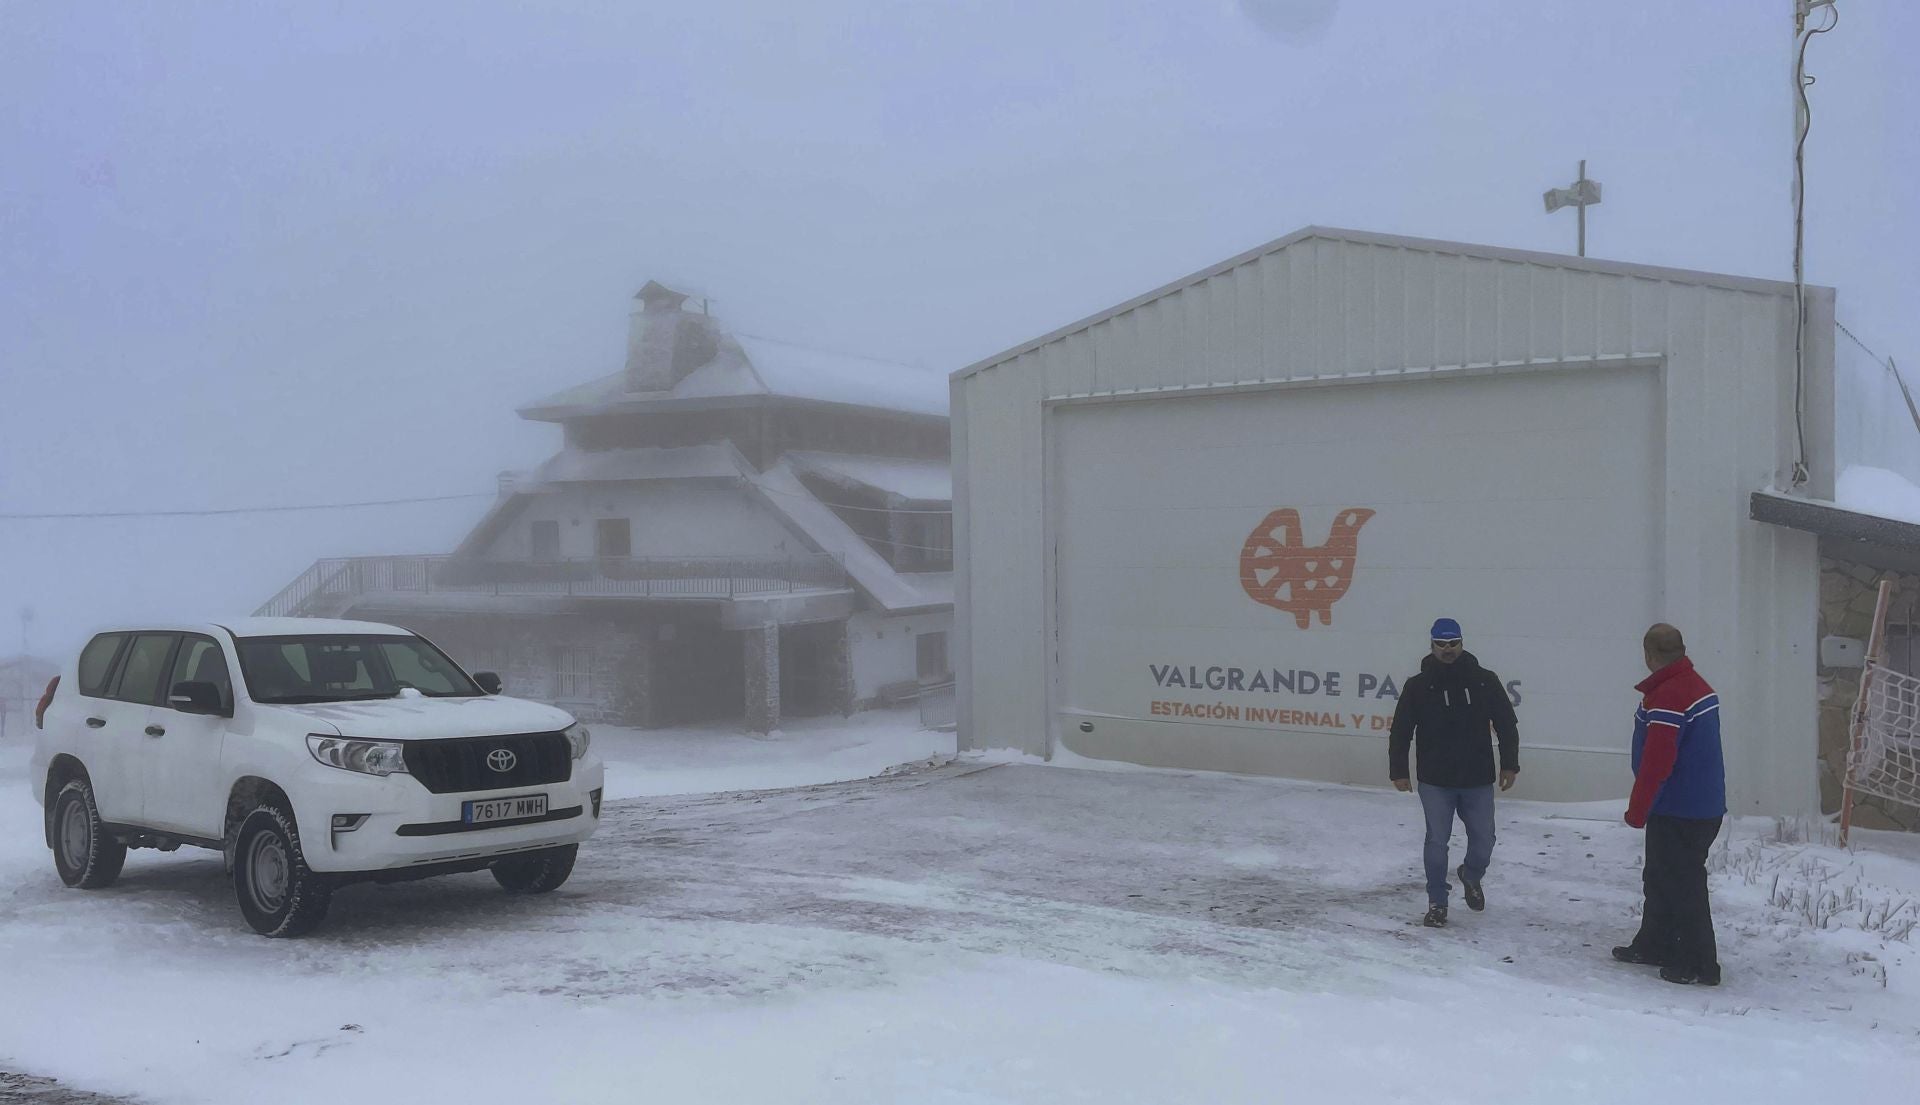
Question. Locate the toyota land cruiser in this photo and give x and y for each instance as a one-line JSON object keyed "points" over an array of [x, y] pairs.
{"points": [[312, 754]]}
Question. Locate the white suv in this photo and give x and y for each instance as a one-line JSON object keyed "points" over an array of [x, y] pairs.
{"points": [[342, 752]]}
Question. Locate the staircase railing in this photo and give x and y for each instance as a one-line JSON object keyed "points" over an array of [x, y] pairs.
{"points": [[626, 577]]}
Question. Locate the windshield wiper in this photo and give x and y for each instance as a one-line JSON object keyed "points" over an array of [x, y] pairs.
{"points": [[316, 699]]}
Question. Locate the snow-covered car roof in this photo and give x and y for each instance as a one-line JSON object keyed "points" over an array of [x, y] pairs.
{"points": [[308, 627]]}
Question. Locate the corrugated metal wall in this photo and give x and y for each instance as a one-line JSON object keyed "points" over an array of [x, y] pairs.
{"points": [[1334, 303]]}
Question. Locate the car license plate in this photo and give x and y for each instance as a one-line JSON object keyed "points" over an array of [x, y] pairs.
{"points": [[482, 810]]}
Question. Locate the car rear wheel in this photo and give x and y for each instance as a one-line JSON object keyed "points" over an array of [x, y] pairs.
{"points": [[279, 895], [536, 872], [84, 853]]}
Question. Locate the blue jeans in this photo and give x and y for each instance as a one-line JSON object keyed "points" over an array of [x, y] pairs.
{"points": [[1475, 807]]}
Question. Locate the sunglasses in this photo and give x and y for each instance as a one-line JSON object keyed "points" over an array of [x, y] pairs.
{"points": [[1451, 642]]}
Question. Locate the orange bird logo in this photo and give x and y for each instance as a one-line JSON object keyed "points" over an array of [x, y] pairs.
{"points": [[1277, 571]]}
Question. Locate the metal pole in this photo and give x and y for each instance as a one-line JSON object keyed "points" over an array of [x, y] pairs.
{"points": [[1582, 207], [1856, 743]]}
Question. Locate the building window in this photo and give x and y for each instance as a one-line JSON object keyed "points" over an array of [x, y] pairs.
{"points": [[937, 541], [546, 540], [572, 674], [613, 538], [930, 650], [927, 541]]}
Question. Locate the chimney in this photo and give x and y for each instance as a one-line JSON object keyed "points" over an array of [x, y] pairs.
{"points": [[664, 341]]}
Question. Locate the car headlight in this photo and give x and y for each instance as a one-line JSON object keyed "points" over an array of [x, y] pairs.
{"points": [[366, 757], [579, 738]]}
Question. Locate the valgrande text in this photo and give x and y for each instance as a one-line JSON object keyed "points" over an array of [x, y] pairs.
{"points": [[1331, 684]]}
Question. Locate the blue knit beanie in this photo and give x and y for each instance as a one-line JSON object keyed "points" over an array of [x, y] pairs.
{"points": [[1446, 629]]}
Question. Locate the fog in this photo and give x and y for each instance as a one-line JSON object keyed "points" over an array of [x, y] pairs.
{"points": [[319, 254]]}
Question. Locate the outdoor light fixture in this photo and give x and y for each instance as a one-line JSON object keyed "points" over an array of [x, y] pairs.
{"points": [[1581, 194]]}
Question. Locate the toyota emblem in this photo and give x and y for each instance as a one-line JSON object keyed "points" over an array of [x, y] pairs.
{"points": [[501, 759]]}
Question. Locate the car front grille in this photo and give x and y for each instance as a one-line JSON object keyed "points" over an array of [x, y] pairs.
{"points": [[468, 763]]}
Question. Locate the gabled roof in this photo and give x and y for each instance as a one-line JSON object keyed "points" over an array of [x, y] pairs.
{"points": [[747, 369], [779, 488], [899, 479], [714, 460], [1395, 241], [656, 292], [896, 591]]}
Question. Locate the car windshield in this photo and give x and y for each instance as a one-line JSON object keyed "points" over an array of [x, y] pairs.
{"points": [[347, 668]]}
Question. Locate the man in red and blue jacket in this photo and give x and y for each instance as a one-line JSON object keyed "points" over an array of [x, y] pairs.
{"points": [[1680, 798]]}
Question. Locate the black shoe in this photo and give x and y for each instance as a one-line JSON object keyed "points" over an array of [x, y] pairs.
{"points": [[1476, 900], [1436, 917], [1627, 953], [1681, 976]]}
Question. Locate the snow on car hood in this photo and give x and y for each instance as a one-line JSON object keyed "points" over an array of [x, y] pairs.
{"points": [[417, 717]]}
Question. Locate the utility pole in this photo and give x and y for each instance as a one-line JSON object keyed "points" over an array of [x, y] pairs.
{"points": [[1582, 193], [1802, 122]]}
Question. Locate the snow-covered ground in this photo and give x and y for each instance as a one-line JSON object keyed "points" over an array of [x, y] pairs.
{"points": [[973, 932], [716, 758]]}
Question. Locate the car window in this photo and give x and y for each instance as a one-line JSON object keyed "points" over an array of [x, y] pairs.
{"points": [[144, 668], [200, 661], [424, 670], [310, 667], [96, 663], [341, 668]]}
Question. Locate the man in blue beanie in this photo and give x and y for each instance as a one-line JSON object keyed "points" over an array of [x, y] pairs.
{"points": [[1452, 712]]}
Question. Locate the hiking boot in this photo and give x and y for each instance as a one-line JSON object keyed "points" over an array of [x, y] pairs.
{"points": [[1476, 900], [1436, 917], [1682, 976], [1627, 953]]}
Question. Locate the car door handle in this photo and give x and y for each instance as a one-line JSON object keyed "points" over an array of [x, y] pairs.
{"points": [[155, 731], [96, 722]]}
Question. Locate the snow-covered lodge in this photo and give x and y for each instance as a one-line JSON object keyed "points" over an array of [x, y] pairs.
{"points": [[735, 528]]}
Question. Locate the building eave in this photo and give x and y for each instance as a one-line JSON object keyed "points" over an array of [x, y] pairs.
{"points": [[1395, 241], [564, 414], [1867, 537]]}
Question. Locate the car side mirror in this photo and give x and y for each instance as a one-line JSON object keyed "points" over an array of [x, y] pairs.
{"points": [[489, 681], [195, 698]]}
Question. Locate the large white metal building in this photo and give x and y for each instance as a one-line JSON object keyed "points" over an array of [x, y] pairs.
{"points": [[1209, 528]]}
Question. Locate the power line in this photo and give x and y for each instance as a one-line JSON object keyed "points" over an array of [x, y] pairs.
{"points": [[1913, 410], [902, 544], [57, 515], [241, 509], [1855, 339]]}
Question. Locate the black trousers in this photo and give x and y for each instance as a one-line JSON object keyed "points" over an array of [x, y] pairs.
{"points": [[1676, 928]]}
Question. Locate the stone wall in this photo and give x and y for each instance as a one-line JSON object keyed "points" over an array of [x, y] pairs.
{"points": [[762, 653], [522, 649], [1848, 592]]}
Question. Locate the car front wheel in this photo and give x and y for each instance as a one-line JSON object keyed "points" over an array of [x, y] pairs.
{"points": [[279, 895], [536, 872], [84, 854]]}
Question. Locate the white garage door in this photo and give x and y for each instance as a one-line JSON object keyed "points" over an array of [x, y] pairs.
{"points": [[1243, 581]]}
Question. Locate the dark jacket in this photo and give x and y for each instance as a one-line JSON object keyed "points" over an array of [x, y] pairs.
{"points": [[1677, 766], [1448, 710]]}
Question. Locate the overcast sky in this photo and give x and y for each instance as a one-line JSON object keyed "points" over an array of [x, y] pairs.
{"points": [[319, 253]]}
